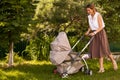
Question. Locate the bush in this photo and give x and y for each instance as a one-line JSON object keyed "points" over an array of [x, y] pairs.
{"points": [[17, 59]]}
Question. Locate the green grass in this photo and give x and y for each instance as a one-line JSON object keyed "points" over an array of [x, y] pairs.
{"points": [[42, 70]]}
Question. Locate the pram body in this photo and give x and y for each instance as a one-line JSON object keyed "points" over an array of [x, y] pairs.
{"points": [[69, 65], [63, 57]]}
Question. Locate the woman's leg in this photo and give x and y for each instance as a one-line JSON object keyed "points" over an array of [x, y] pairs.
{"points": [[101, 70], [113, 62]]}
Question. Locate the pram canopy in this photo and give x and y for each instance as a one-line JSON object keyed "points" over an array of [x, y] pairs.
{"points": [[60, 48]]}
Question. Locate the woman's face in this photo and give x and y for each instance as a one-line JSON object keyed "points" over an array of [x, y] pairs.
{"points": [[90, 11]]}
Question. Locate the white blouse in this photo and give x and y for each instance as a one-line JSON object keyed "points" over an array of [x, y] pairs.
{"points": [[93, 21]]}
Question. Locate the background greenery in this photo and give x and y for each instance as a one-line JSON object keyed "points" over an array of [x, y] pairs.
{"points": [[33, 24]]}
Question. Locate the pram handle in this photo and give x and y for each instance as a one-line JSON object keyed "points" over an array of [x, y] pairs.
{"points": [[78, 42], [86, 45]]}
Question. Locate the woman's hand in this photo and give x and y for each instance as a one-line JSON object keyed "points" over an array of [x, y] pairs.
{"points": [[87, 33], [92, 34]]}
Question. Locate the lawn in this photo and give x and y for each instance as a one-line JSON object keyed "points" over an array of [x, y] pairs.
{"points": [[43, 70]]}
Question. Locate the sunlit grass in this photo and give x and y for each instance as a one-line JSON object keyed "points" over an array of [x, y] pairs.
{"points": [[28, 70], [12, 73], [43, 70], [38, 62]]}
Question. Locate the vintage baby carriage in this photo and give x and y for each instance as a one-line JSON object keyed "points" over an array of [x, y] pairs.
{"points": [[67, 61]]}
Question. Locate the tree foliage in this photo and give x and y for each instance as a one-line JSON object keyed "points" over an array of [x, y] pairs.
{"points": [[15, 17]]}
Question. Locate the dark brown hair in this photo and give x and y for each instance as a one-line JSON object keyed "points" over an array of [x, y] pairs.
{"points": [[91, 6]]}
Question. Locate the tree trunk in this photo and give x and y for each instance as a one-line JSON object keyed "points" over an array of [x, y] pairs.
{"points": [[10, 63], [11, 44]]}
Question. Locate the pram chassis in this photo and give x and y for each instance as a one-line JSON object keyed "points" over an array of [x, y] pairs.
{"points": [[65, 74]]}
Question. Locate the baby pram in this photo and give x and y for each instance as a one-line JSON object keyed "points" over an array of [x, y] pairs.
{"points": [[67, 61]]}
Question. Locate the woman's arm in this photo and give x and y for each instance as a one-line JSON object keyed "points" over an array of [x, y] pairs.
{"points": [[99, 24], [88, 31]]}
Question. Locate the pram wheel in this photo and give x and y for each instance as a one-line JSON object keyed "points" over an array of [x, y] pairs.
{"points": [[89, 72], [64, 75], [82, 69]]}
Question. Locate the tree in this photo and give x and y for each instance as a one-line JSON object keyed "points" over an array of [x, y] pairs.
{"points": [[14, 19]]}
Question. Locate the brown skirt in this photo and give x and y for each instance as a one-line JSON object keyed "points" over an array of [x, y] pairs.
{"points": [[99, 47]]}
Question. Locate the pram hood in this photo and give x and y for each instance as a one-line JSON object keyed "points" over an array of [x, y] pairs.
{"points": [[60, 48]]}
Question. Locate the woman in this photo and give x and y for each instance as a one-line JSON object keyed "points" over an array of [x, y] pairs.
{"points": [[99, 47]]}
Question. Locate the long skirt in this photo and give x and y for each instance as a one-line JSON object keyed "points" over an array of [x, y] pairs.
{"points": [[99, 47]]}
